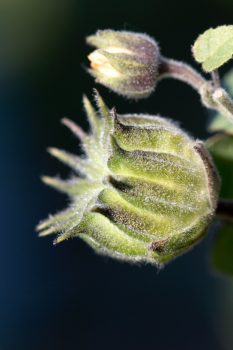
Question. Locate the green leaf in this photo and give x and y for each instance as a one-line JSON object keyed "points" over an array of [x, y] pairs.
{"points": [[222, 252], [219, 122], [221, 148], [214, 47]]}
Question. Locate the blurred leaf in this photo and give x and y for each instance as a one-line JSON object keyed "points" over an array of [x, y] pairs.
{"points": [[219, 122], [221, 148], [222, 253], [221, 145], [214, 47], [228, 81]]}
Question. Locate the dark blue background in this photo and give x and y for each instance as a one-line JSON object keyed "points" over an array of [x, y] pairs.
{"points": [[67, 297]]}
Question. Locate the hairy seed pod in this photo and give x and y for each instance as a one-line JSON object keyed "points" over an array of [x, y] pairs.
{"points": [[125, 62], [146, 191]]}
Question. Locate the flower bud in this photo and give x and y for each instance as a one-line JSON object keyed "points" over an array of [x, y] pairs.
{"points": [[147, 191], [125, 62]]}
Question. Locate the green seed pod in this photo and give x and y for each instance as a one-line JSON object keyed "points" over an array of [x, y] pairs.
{"points": [[125, 62], [146, 191]]}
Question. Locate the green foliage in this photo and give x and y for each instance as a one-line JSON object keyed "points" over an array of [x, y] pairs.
{"points": [[220, 123], [214, 47], [221, 149], [222, 253]]}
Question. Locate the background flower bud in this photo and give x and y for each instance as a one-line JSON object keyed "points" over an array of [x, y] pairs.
{"points": [[125, 62], [147, 193]]}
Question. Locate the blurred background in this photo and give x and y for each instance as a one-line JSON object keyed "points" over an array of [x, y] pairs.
{"points": [[67, 297]]}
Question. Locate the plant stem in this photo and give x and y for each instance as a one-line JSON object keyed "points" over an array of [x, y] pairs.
{"points": [[213, 96], [178, 70], [225, 209], [216, 78], [224, 102]]}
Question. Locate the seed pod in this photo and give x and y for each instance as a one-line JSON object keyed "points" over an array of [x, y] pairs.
{"points": [[148, 191], [125, 62]]}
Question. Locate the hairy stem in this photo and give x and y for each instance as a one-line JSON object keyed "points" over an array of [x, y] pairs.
{"points": [[216, 78], [178, 70], [224, 102], [213, 96], [225, 209]]}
